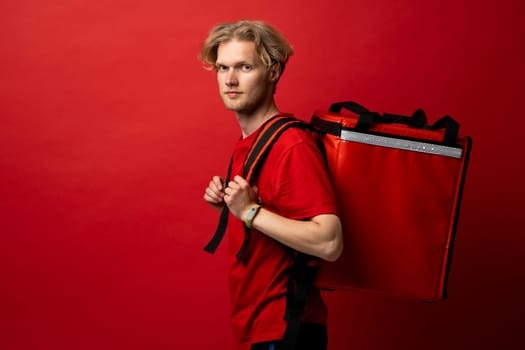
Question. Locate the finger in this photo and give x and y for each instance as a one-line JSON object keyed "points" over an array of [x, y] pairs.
{"points": [[242, 184], [218, 182], [232, 185], [240, 181], [212, 196], [216, 185], [213, 187], [227, 199], [209, 199], [228, 191]]}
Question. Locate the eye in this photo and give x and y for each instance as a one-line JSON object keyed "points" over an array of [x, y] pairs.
{"points": [[221, 68], [246, 67]]}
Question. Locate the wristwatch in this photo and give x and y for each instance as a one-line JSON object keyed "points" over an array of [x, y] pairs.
{"points": [[251, 215]]}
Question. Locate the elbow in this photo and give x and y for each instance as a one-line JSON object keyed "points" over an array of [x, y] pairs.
{"points": [[333, 248], [329, 237]]}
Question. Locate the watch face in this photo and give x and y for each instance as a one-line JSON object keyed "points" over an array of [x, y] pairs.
{"points": [[251, 214]]}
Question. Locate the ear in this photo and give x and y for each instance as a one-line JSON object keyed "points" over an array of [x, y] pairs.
{"points": [[275, 72]]}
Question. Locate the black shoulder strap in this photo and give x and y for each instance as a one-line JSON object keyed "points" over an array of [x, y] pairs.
{"points": [[217, 237], [266, 138], [267, 135]]}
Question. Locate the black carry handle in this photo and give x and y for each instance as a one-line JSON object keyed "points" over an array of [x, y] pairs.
{"points": [[366, 118], [451, 129], [417, 120], [348, 105]]}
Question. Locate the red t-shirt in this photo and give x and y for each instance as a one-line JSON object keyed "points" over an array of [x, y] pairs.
{"points": [[293, 183]]}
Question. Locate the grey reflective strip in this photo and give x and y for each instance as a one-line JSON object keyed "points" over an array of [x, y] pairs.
{"points": [[408, 145]]}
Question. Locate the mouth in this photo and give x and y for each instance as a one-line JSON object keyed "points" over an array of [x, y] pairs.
{"points": [[232, 94]]}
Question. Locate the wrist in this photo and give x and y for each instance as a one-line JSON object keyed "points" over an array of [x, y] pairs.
{"points": [[250, 215]]}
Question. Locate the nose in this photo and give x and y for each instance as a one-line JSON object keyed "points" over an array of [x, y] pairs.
{"points": [[231, 78]]}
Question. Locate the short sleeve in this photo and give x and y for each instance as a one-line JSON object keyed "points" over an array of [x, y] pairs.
{"points": [[301, 185]]}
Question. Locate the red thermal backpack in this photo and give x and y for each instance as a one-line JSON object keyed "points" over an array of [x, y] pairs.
{"points": [[399, 183]]}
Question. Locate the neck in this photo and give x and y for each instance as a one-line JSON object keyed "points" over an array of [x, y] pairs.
{"points": [[251, 122]]}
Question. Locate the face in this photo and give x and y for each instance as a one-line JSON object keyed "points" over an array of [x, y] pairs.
{"points": [[245, 85]]}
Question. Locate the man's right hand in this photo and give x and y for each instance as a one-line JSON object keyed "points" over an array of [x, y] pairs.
{"points": [[214, 193]]}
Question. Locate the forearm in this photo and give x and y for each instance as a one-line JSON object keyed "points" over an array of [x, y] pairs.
{"points": [[319, 236]]}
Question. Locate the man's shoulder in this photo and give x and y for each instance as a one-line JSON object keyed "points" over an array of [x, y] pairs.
{"points": [[295, 140], [296, 134]]}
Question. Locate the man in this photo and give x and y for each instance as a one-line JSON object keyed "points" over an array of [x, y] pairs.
{"points": [[292, 207]]}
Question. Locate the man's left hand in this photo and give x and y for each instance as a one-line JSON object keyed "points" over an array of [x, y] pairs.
{"points": [[240, 197]]}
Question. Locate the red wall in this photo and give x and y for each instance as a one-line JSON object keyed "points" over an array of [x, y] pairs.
{"points": [[110, 130]]}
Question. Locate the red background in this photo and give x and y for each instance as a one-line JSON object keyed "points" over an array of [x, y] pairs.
{"points": [[110, 130]]}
